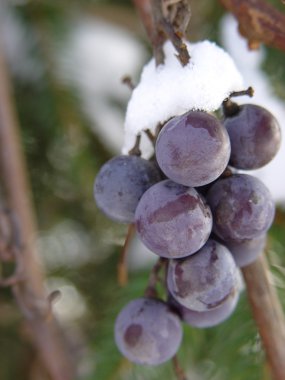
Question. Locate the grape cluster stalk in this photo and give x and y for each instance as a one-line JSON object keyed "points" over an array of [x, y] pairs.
{"points": [[192, 208]]}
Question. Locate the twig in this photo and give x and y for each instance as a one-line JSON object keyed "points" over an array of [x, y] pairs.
{"points": [[122, 265], [179, 372], [135, 151], [259, 22], [165, 19], [177, 42], [144, 9], [29, 293], [171, 23], [151, 137], [249, 92], [154, 278], [267, 313], [127, 80]]}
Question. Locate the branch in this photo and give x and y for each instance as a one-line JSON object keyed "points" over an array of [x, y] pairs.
{"points": [[144, 9], [259, 22], [29, 292], [179, 372], [267, 313], [154, 278], [165, 19], [122, 263]]}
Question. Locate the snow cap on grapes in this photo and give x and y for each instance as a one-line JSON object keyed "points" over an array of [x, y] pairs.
{"points": [[171, 89]]}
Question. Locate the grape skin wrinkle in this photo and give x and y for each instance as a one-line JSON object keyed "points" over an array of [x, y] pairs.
{"points": [[148, 332], [172, 220], [255, 137], [242, 207], [204, 280], [120, 184], [193, 149]]}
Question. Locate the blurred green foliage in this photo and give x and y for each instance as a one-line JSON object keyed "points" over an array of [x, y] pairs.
{"points": [[63, 156]]}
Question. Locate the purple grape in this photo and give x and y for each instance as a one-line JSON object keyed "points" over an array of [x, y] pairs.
{"points": [[148, 332], [205, 280], [193, 149], [255, 137], [242, 207], [247, 251], [211, 317], [172, 220], [120, 184]]}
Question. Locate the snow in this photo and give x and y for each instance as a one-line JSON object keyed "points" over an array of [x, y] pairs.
{"points": [[18, 43], [249, 64], [94, 58], [171, 89]]}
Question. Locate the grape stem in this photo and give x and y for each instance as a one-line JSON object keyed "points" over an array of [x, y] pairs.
{"points": [[227, 172], [249, 92], [154, 278], [127, 80], [179, 372], [229, 107], [27, 284], [122, 265], [151, 137], [267, 313], [135, 151]]}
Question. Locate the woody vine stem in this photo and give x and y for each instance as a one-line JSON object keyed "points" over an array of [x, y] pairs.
{"points": [[168, 19], [27, 283]]}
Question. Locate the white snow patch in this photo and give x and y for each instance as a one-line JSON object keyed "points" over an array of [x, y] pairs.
{"points": [[171, 89], [249, 63], [94, 58], [18, 43]]}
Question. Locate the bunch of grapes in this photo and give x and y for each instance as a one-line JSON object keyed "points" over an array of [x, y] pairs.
{"points": [[193, 209]]}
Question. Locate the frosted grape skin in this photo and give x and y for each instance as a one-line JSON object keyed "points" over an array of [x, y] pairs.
{"points": [[255, 137], [172, 220], [193, 149], [120, 184], [148, 332], [204, 280], [242, 207]]}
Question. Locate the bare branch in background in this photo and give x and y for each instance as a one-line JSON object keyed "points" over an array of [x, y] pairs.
{"points": [[27, 283], [259, 22]]}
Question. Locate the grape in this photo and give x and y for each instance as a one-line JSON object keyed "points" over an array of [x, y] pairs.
{"points": [[242, 207], [147, 331], [120, 184], [255, 137], [193, 149], [204, 280], [246, 251], [211, 317], [173, 220]]}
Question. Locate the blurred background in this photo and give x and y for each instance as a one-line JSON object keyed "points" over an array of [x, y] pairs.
{"points": [[66, 60]]}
